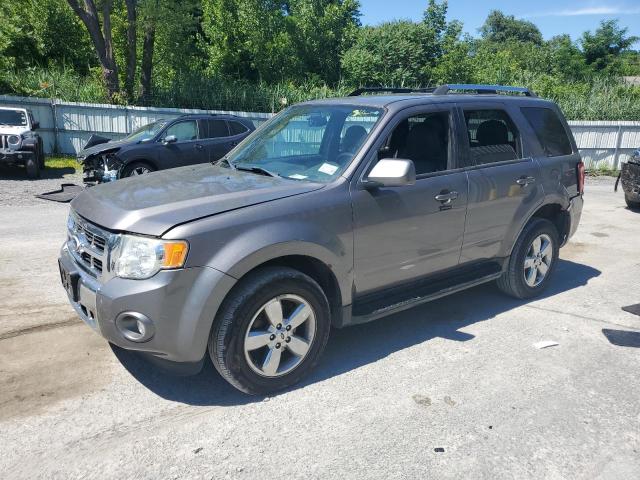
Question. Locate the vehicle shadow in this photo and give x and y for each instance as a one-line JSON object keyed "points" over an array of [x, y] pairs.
{"points": [[11, 172], [354, 347]]}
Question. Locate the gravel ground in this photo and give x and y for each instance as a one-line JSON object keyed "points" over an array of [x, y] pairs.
{"points": [[16, 189], [451, 389]]}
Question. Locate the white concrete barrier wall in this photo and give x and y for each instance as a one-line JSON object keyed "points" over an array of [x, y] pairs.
{"points": [[66, 126]]}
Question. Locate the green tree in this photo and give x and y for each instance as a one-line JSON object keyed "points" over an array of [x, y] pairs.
{"points": [[603, 48], [401, 52], [500, 28]]}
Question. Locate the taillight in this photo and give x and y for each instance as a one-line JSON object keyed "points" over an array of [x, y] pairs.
{"points": [[580, 173]]}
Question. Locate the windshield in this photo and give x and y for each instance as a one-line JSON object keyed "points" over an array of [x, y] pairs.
{"points": [[147, 132], [308, 142], [16, 118]]}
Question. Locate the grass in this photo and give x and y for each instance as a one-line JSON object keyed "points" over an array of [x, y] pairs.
{"points": [[60, 162], [602, 171]]}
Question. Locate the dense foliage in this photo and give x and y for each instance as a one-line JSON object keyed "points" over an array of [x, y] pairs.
{"points": [[264, 54]]}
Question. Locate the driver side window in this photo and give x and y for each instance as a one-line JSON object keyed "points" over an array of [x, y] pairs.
{"points": [[423, 139], [183, 131]]}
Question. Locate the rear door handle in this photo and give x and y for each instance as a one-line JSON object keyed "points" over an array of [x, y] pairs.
{"points": [[524, 181], [446, 196]]}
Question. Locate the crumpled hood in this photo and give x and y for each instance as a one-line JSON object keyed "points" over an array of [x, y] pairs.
{"points": [[153, 203], [103, 147]]}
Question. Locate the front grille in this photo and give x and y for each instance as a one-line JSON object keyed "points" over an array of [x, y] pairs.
{"points": [[4, 141], [87, 243]]}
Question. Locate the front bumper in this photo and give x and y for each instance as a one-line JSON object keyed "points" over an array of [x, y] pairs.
{"points": [[14, 157], [181, 304]]}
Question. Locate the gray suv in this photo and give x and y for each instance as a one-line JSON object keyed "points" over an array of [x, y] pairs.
{"points": [[335, 212]]}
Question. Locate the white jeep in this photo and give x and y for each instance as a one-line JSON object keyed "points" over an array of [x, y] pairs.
{"points": [[19, 143]]}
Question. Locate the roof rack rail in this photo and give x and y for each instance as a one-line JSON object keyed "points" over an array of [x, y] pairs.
{"points": [[482, 89], [362, 90]]}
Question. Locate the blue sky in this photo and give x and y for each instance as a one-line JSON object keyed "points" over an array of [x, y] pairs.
{"points": [[551, 17]]}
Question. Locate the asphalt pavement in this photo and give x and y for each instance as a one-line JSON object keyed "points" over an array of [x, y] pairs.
{"points": [[451, 389]]}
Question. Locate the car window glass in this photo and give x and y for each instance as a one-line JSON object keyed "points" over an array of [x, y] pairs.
{"points": [[549, 130], [237, 128], [217, 129], [303, 141], [492, 136], [13, 118], [424, 139], [355, 129], [183, 131]]}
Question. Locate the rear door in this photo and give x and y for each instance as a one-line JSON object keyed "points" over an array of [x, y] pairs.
{"points": [[504, 179], [215, 139]]}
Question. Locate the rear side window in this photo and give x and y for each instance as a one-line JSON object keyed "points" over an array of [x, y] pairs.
{"points": [[237, 128], [493, 137], [549, 130], [216, 129]]}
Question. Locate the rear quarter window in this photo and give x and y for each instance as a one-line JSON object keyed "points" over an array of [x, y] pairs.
{"points": [[549, 129]]}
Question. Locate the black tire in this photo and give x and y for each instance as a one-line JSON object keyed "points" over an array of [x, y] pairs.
{"points": [[41, 154], [33, 167], [512, 282], [632, 204], [226, 342], [131, 169]]}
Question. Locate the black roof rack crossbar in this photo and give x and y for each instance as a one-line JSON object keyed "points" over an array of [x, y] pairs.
{"points": [[362, 90], [483, 89]]}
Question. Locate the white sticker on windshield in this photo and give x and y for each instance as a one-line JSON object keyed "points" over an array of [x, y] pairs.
{"points": [[328, 168], [297, 176]]}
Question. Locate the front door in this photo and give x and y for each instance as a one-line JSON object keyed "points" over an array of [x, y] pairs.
{"points": [[186, 149], [405, 233]]}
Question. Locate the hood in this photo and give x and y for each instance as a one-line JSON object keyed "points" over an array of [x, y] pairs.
{"points": [[153, 203], [94, 149], [13, 129]]}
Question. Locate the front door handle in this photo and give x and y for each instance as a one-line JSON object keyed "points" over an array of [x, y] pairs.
{"points": [[524, 181], [199, 147], [446, 196]]}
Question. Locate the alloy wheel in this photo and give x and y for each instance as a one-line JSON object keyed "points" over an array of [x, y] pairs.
{"points": [[538, 260], [280, 335]]}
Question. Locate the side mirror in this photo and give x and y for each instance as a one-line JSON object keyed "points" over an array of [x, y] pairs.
{"points": [[169, 139], [392, 172], [35, 125]]}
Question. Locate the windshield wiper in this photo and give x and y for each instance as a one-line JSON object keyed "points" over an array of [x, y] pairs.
{"points": [[257, 170]]}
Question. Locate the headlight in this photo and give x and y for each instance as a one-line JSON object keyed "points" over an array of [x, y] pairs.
{"points": [[14, 141], [141, 257]]}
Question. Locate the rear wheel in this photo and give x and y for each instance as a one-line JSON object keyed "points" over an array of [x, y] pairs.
{"points": [[532, 260], [633, 205], [270, 331], [33, 167], [137, 168]]}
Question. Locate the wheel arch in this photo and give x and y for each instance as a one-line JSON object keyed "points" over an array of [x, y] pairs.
{"points": [[556, 213], [315, 269]]}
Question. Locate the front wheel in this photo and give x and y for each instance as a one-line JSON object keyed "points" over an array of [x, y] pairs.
{"points": [[33, 167], [137, 168], [532, 260], [270, 331]]}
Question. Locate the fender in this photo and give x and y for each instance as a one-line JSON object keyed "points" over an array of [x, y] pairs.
{"points": [[236, 253]]}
